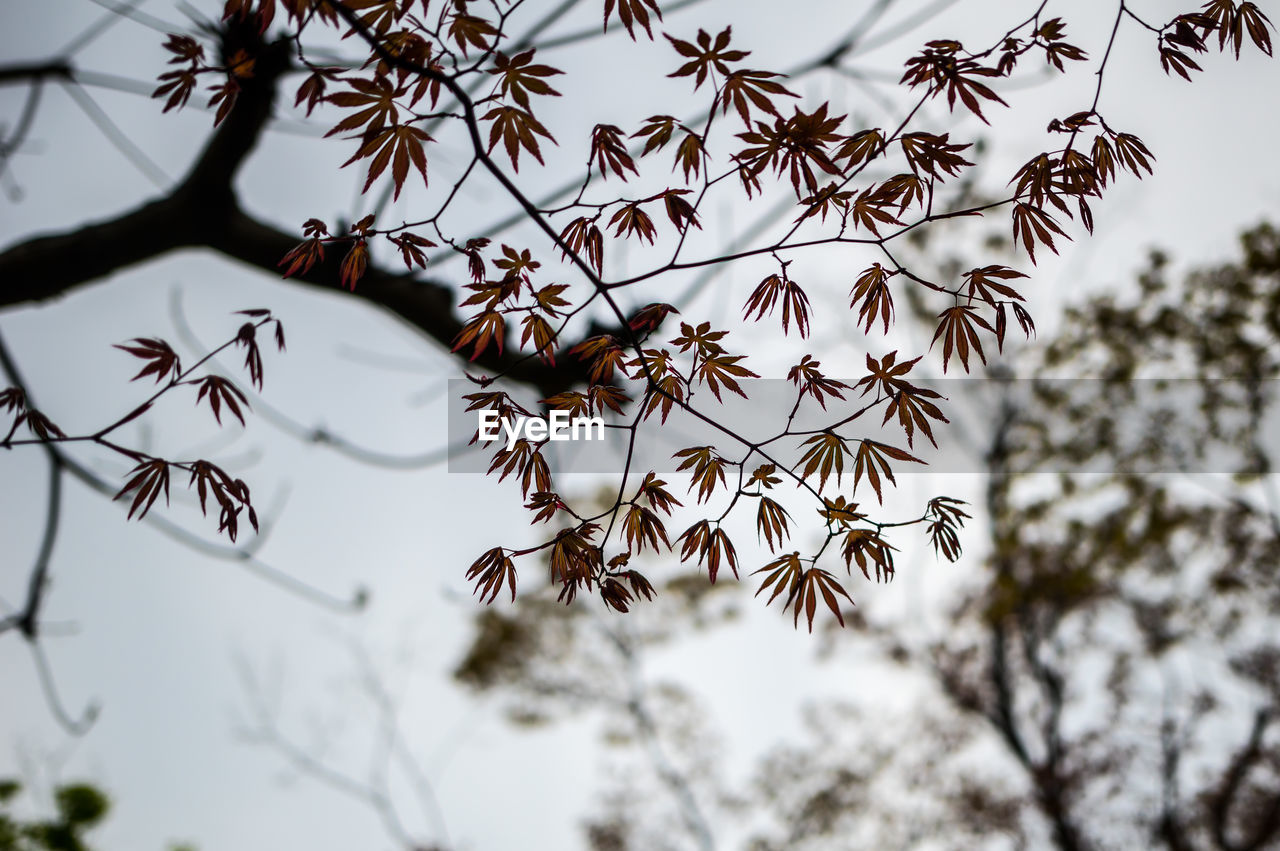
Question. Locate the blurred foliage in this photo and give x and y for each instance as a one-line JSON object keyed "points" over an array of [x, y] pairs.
{"points": [[79, 806], [1109, 679]]}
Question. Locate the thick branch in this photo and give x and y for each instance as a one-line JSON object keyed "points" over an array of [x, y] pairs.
{"points": [[203, 211], [1052, 784], [1265, 822], [427, 305], [58, 68], [1170, 828], [27, 620]]}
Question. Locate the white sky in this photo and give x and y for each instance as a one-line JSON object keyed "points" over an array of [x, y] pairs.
{"points": [[158, 628]]}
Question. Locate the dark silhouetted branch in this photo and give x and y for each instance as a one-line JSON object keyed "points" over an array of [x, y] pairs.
{"points": [[204, 212]]}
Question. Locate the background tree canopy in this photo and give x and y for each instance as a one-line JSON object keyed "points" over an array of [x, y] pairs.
{"points": [[757, 239]]}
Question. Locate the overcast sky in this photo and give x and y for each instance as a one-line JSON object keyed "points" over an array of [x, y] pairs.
{"points": [[158, 634]]}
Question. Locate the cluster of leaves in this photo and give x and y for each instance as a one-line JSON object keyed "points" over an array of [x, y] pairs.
{"points": [[440, 64], [149, 479], [178, 85], [1229, 21], [80, 807]]}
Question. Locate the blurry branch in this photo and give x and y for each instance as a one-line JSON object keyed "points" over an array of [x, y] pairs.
{"points": [[847, 44], [245, 555], [316, 434], [1266, 814], [44, 671], [14, 141], [101, 25], [1020, 676], [266, 732], [1261, 461], [901, 28], [1041, 754], [130, 11], [61, 462], [117, 137], [1170, 829], [374, 791], [29, 72], [547, 663], [637, 709], [27, 619], [389, 723], [590, 33]]}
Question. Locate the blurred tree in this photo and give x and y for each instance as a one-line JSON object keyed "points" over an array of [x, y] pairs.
{"points": [[1123, 646], [1121, 652], [80, 807], [1110, 680]]}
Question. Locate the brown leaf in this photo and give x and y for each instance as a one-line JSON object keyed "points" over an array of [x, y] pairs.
{"points": [[767, 294], [641, 528], [608, 150], [771, 522], [708, 469], [161, 360], [224, 97], [1032, 225], [630, 219], [943, 70], [946, 517], [632, 12], [983, 283], [583, 236], [658, 129], [490, 571], [872, 459], [354, 264], [150, 479], [818, 582], [712, 546], [958, 330], [518, 130], [872, 289], [519, 78], [723, 369], [481, 330], [810, 379], [219, 391], [706, 56], [866, 547], [826, 454], [469, 31], [398, 146]]}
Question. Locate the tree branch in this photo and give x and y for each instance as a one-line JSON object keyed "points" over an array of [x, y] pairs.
{"points": [[1229, 793], [203, 211]]}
